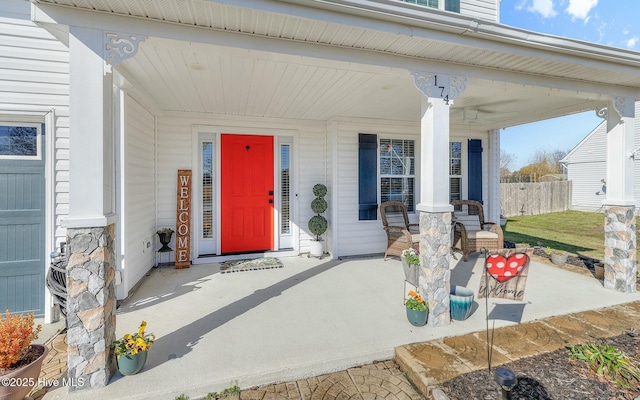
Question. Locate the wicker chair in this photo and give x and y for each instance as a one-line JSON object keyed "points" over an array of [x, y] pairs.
{"points": [[470, 232], [401, 234]]}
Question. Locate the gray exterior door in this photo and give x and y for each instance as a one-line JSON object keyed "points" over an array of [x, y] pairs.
{"points": [[22, 219]]}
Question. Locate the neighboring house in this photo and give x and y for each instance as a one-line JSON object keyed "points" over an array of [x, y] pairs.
{"points": [[586, 166], [261, 100]]}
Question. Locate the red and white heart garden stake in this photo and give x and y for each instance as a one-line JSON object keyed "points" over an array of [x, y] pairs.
{"points": [[502, 269]]}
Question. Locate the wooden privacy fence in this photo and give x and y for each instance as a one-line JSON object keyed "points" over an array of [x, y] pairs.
{"points": [[534, 198]]}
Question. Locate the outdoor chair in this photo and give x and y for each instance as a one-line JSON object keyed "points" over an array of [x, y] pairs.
{"points": [[401, 235], [470, 231]]}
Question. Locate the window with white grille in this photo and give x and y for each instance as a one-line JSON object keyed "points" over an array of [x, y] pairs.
{"points": [[397, 171], [207, 190], [455, 171], [285, 189]]}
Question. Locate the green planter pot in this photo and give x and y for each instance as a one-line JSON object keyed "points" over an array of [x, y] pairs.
{"points": [[417, 318], [131, 365]]}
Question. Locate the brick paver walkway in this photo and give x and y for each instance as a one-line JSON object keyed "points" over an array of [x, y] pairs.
{"points": [[378, 381], [53, 367]]}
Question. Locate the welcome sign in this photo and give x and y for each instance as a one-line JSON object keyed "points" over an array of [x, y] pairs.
{"points": [[183, 220], [505, 274]]}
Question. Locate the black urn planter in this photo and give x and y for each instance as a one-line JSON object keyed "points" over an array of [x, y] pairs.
{"points": [[165, 239]]}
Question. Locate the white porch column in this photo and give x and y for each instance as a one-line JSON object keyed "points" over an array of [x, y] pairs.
{"points": [[620, 205], [91, 223], [435, 209], [493, 205]]}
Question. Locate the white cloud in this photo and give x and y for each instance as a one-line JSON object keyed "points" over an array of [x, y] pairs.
{"points": [[631, 43], [580, 8], [544, 7], [601, 30]]}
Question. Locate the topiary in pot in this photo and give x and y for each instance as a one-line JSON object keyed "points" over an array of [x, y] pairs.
{"points": [[318, 223]]}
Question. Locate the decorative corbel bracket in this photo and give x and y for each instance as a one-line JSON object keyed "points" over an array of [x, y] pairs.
{"points": [[625, 106], [441, 86], [120, 46], [602, 112]]}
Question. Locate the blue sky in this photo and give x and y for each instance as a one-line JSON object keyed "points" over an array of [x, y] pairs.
{"points": [[614, 23]]}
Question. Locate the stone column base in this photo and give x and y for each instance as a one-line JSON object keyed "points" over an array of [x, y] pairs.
{"points": [[91, 307], [620, 248], [435, 282]]}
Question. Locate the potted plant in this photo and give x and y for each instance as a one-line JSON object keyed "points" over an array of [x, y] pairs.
{"points": [[598, 270], [503, 220], [20, 361], [460, 302], [417, 309], [318, 223], [131, 351], [164, 235], [558, 257], [411, 265]]}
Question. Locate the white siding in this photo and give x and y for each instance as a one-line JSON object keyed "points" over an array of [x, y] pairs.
{"points": [[34, 80], [587, 165], [312, 170], [175, 151], [483, 9], [139, 195], [356, 237], [636, 163]]}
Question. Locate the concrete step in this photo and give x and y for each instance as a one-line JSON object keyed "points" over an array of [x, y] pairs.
{"points": [[429, 364]]}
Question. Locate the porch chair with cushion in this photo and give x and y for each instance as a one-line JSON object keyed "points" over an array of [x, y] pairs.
{"points": [[470, 231], [401, 234]]}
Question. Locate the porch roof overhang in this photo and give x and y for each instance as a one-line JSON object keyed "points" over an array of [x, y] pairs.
{"points": [[318, 59]]}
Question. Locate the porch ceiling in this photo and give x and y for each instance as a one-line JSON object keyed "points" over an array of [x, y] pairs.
{"points": [[195, 77], [184, 77]]}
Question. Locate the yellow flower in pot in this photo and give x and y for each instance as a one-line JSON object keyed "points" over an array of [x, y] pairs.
{"points": [[131, 351]]}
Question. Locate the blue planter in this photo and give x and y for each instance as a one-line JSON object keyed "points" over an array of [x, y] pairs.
{"points": [[131, 365], [460, 302], [417, 318]]}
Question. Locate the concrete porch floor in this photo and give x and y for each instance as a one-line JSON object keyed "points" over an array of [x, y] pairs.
{"points": [[312, 317]]}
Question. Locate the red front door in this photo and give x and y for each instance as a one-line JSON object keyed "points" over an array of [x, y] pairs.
{"points": [[247, 193]]}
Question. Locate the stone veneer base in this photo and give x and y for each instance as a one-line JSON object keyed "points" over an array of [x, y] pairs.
{"points": [[435, 254], [91, 306], [620, 266]]}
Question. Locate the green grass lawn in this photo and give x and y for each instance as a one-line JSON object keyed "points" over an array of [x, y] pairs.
{"points": [[573, 231]]}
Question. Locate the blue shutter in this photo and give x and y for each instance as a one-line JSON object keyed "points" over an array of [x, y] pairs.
{"points": [[367, 176], [475, 170]]}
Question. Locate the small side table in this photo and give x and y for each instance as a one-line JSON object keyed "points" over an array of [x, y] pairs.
{"points": [[160, 254]]}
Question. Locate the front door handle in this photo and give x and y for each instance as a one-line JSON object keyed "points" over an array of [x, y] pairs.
{"points": [[270, 192], [270, 201]]}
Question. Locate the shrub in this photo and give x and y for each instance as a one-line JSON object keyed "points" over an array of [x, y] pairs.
{"points": [[605, 359], [16, 334]]}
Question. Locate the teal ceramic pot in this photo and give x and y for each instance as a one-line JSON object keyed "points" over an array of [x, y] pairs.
{"points": [[460, 302], [417, 318], [131, 365]]}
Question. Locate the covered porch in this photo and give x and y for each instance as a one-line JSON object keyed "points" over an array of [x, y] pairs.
{"points": [[311, 317], [155, 89]]}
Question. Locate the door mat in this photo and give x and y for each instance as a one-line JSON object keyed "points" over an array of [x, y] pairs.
{"points": [[250, 265]]}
